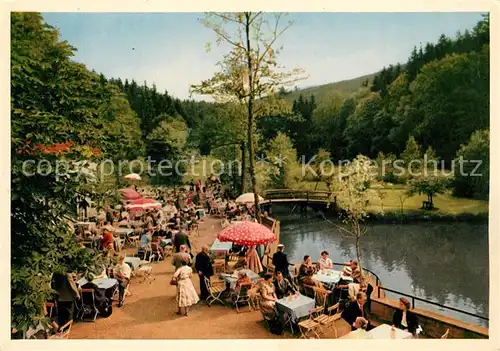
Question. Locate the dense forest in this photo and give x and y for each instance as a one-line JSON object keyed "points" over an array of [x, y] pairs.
{"points": [[439, 97]]}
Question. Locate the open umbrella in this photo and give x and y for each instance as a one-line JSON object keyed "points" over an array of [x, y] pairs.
{"points": [[133, 176], [130, 194], [247, 233], [143, 204], [247, 198]]}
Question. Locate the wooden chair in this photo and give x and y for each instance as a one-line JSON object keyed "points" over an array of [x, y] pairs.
{"points": [[215, 290], [219, 265], [329, 319], [320, 298], [243, 296], [63, 332], [310, 327], [445, 335]]}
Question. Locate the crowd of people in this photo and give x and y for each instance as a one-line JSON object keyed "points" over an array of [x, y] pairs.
{"points": [[166, 230]]}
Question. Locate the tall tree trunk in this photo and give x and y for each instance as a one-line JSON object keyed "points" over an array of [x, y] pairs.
{"points": [[251, 97], [243, 167], [358, 243]]}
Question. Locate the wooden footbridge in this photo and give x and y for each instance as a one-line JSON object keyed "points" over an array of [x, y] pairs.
{"points": [[299, 197]]}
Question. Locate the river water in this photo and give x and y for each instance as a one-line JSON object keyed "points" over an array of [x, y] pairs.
{"points": [[443, 262]]}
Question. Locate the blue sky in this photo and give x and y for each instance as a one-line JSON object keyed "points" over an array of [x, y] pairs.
{"points": [[168, 49]]}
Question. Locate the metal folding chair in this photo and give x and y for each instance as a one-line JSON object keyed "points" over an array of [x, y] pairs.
{"points": [[88, 306]]}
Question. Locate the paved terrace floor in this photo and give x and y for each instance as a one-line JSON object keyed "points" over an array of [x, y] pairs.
{"points": [[149, 313]]}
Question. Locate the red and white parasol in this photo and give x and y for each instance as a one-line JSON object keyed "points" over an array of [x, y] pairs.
{"points": [[247, 198], [143, 204], [130, 194], [247, 233]]}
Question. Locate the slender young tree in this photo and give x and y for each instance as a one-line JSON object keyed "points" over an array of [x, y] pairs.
{"points": [[249, 73]]}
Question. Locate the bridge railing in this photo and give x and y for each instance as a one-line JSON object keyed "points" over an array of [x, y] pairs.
{"points": [[296, 194]]}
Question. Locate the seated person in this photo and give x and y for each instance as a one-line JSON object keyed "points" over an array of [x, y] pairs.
{"points": [[268, 296], [282, 286], [367, 288], [156, 246], [107, 240], [242, 262], [325, 262], [342, 288], [144, 244], [309, 280], [403, 318], [242, 279], [356, 309], [360, 333], [356, 271], [345, 278], [304, 267]]}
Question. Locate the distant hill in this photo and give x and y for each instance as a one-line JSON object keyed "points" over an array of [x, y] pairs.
{"points": [[321, 92]]}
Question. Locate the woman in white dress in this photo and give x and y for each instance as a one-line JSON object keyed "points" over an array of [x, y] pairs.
{"points": [[186, 293]]}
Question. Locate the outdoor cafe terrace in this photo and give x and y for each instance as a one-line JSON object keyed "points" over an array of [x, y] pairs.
{"points": [[150, 309]]}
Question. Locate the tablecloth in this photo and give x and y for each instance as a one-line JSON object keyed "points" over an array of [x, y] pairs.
{"points": [[134, 262], [328, 280], [102, 283], [233, 278], [296, 308], [125, 232], [383, 331], [219, 246]]}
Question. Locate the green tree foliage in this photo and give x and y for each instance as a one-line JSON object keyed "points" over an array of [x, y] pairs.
{"points": [[440, 97], [249, 71], [430, 185], [56, 113], [283, 159], [354, 190], [472, 166], [451, 100], [166, 146], [411, 153], [328, 124], [358, 133]]}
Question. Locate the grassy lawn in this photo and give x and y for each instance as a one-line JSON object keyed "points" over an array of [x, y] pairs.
{"points": [[446, 204]]}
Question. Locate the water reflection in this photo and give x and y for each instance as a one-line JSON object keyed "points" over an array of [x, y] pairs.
{"points": [[445, 263]]}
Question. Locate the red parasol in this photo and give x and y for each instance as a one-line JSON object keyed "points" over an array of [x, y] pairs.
{"points": [[143, 204], [247, 233], [130, 194]]}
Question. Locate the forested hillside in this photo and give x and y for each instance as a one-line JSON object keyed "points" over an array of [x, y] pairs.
{"points": [[440, 97]]}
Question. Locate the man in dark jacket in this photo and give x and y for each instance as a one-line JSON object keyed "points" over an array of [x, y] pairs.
{"points": [[356, 309], [181, 238], [280, 261], [203, 266], [282, 286]]}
